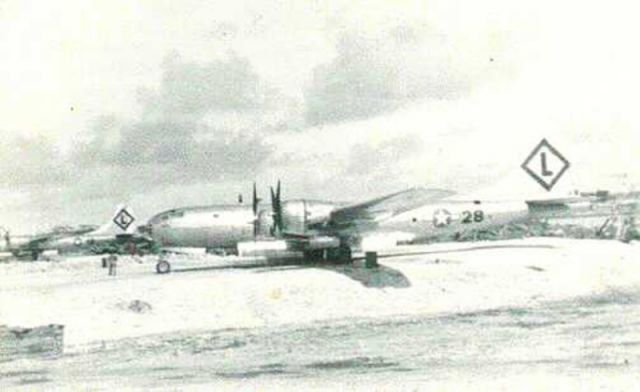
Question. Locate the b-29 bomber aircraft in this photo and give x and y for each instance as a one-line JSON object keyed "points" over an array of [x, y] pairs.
{"points": [[118, 232], [324, 230]]}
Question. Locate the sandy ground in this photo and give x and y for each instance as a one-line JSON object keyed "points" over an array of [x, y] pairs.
{"points": [[451, 278]]}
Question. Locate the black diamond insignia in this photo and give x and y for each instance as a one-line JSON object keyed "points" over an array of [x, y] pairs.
{"points": [[123, 219], [545, 164]]}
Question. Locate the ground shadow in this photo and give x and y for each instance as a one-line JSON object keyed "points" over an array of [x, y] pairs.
{"points": [[376, 277], [454, 250]]}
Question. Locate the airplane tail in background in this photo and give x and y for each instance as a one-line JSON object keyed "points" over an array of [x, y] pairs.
{"points": [[5, 241], [122, 222]]}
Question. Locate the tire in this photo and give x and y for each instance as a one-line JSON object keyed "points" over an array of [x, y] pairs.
{"points": [[340, 255], [345, 256], [313, 256], [163, 267]]}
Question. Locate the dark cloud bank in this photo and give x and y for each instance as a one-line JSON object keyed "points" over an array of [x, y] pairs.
{"points": [[179, 136], [373, 75], [173, 141]]}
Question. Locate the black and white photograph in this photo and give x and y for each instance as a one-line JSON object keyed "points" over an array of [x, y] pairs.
{"points": [[316, 195]]}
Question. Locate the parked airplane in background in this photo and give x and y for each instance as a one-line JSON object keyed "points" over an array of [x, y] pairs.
{"points": [[329, 231], [32, 246], [119, 231]]}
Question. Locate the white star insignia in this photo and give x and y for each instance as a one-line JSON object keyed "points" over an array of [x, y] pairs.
{"points": [[441, 218]]}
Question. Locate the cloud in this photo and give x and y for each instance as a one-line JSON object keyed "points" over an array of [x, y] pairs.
{"points": [[196, 89], [209, 120], [29, 161], [383, 167], [205, 123], [184, 134], [374, 74], [365, 158]]}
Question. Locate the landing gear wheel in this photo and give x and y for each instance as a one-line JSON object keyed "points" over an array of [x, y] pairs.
{"points": [[313, 256], [163, 267], [345, 256], [340, 255]]}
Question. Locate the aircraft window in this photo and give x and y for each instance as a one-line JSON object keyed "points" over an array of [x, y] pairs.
{"points": [[476, 202], [216, 216], [414, 219]]}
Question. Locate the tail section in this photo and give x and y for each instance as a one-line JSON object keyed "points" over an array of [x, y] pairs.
{"points": [[122, 222], [5, 242]]}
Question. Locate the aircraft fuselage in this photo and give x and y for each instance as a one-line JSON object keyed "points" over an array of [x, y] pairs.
{"points": [[224, 226], [204, 227], [449, 217]]}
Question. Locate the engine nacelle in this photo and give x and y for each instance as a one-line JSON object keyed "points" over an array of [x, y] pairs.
{"points": [[323, 243], [269, 249], [298, 214], [286, 248]]}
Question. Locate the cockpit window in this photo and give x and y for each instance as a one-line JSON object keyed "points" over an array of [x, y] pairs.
{"points": [[175, 214], [167, 215]]}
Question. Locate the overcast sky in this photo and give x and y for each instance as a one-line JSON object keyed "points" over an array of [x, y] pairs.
{"points": [[162, 104]]}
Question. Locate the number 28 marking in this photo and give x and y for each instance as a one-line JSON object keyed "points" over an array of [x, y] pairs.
{"points": [[470, 217]]}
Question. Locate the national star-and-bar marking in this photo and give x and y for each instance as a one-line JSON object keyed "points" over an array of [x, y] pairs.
{"points": [[441, 218]]}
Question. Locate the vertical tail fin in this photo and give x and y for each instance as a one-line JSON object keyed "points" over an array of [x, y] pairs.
{"points": [[123, 221], [6, 237]]}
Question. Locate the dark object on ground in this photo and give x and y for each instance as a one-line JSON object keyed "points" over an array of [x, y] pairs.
{"points": [[380, 277], [370, 259], [112, 261], [138, 306], [44, 341]]}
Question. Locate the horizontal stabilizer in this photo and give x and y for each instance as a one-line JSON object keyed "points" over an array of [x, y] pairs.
{"points": [[587, 205], [548, 206]]}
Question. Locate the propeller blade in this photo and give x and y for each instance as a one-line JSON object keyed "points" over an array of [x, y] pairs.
{"points": [[254, 204], [273, 197], [255, 199], [276, 207]]}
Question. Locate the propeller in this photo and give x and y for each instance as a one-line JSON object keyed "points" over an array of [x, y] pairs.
{"points": [[7, 238], [276, 208], [254, 203]]}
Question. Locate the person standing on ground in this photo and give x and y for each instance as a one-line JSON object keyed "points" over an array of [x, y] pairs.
{"points": [[113, 264]]}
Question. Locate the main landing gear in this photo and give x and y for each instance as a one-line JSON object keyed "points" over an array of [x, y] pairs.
{"points": [[163, 267], [340, 255]]}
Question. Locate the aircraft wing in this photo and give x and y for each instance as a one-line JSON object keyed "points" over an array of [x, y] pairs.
{"points": [[385, 207], [39, 240], [34, 243]]}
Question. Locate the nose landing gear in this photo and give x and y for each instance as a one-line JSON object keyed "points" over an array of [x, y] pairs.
{"points": [[163, 267]]}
